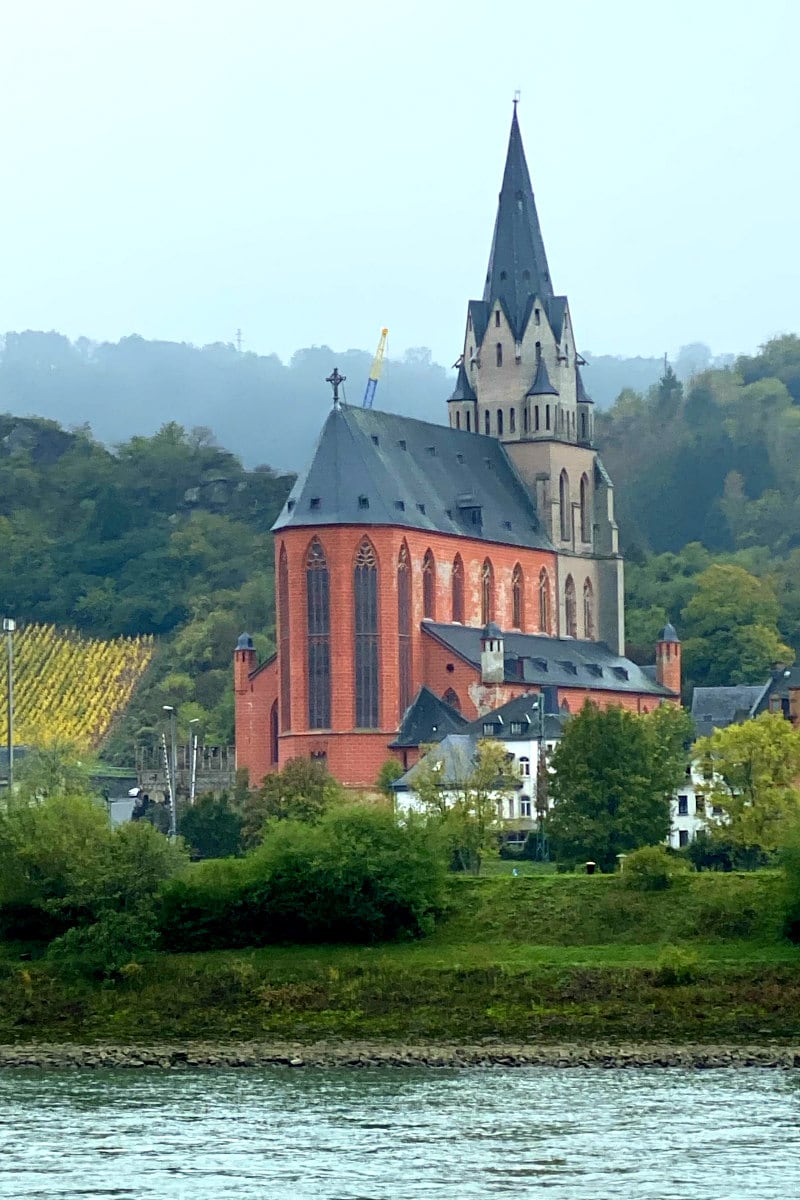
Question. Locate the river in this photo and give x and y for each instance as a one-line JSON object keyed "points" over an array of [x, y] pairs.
{"points": [[400, 1134]]}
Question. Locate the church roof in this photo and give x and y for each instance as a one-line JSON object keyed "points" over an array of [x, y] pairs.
{"points": [[378, 468], [540, 660], [518, 266], [463, 389], [427, 719], [541, 385], [583, 395]]}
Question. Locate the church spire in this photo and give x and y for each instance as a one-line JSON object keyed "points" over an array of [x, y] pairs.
{"points": [[518, 268]]}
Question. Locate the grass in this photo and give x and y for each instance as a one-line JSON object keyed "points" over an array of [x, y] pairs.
{"points": [[539, 958]]}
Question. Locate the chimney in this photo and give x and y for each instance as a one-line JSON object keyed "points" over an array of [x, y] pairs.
{"points": [[244, 661], [668, 659], [493, 664]]}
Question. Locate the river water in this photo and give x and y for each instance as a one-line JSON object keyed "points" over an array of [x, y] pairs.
{"points": [[400, 1134]]}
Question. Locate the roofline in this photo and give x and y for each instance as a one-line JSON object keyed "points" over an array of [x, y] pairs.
{"points": [[263, 666], [456, 537]]}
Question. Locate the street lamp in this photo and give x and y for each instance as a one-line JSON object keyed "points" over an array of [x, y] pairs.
{"points": [[9, 626], [173, 769], [193, 750]]}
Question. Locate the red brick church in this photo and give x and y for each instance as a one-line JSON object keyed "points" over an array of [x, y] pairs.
{"points": [[477, 561]]}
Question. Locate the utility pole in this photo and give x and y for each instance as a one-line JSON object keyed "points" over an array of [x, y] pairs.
{"points": [[9, 626], [173, 769]]}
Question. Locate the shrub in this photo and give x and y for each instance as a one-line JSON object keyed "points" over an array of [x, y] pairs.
{"points": [[103, 949], [676, 966], [357, 875], [651, 869], [212, 827]]}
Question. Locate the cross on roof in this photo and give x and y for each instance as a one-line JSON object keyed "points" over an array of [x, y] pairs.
{"points": [[334, 379]]}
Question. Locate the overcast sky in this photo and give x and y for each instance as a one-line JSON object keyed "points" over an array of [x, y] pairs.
{"points": [[312, 171]]}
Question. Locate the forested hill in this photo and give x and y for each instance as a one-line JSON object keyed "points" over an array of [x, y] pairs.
{"points": [[709, 473], [168, 535], [260, 408]]}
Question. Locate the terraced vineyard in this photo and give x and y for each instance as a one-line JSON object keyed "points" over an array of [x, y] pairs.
{"points": [[68, 687]]}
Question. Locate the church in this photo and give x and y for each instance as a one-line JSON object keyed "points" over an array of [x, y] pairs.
{"points": [[427, 570]]}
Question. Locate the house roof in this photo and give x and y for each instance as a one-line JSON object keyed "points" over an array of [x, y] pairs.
{"points": [[518, 266], [563, 662], [717, 707], [427, 719], [456, 753], [522, 711], [781, 681], [378, 468]]}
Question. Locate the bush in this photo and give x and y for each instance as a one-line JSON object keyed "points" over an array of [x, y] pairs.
{"points": [[676, 966], [355, 876], [102, 950], [651, 869], [211, 827]]}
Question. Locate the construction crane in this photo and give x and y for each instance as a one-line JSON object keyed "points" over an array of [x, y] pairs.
{"points": [[375, 371]]}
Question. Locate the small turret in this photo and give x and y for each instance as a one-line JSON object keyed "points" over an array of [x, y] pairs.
{"points": [[668, 659], [493, 668], [244, 661]]}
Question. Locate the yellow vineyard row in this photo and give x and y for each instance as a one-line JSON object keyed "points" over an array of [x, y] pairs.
{"points": [[68, 687]]}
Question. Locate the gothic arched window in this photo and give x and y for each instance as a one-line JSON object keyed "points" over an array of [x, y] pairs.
{"points": [[544, 601], [365, 601], [570, 607], [588, 610], [404, 627], [469, 424], [429, 585], [499, 422], [564, 506], [458, 589], [517, 598], [458, 420], [526, 419], [450, 697], [487, 423], [586, 516], [499, 352], [273, 733], [318, 607], [285, 640], [487, 592], [512, 420]]}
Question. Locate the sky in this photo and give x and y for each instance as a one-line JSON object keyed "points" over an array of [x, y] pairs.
{"points": [[308, 173]]}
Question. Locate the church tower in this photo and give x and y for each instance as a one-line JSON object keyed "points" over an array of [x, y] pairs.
{"points": [[519, 380]]}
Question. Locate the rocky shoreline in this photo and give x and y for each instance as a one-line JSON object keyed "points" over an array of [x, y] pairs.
{"points": [[361, 1055]]}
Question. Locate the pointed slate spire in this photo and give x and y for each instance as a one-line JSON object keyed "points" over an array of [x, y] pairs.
{"points": [[517, 263], [541, 385], [463, 389], [583, 395]]}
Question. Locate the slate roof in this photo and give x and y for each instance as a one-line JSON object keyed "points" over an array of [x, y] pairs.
{"points": [[377, 468], [563, 662], [517, 263], [456, 753], [582, 394], [463, 389], [427, 719], [717, 707], [523, 710], [541, 385]]}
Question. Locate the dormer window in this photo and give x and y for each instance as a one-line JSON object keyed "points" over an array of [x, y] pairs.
{"points": [[503, 275], [314, 503], [488, 729], [363, 501]]}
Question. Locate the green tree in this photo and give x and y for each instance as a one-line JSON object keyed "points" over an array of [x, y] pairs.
{"points": [[730, 628], [212, 827], [461, 795], [614, 774], [302, 791], [752, 770]]}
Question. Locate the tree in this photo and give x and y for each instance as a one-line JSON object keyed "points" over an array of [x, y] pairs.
{"points": [[302, 791], [730, 627], [752, 771], [614, 775], [461, 795], [212, 827]]}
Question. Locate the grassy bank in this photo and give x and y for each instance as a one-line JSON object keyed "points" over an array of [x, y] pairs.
{"points": [[545, 958]]}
